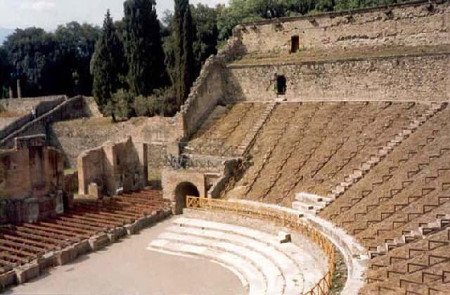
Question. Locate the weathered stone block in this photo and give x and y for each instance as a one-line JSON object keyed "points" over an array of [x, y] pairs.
{"points": [[27, 272], [82, 248], [7, 279], [65, 255], [99, 242], [47, 260], [116, 234]]}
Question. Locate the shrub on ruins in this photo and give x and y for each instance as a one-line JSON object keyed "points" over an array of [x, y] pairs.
{"points": [[108, 65], [161, 103], [119, 106], [143, 47]]}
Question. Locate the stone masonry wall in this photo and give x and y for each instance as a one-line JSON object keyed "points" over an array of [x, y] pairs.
{"points": [[209, 88], [113, 166], [417, 78], [419, 24], [26, 106], [69, 109], [31, 181]]}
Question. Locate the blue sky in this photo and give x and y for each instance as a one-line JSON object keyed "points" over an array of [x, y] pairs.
{"points": [[48, 14]]}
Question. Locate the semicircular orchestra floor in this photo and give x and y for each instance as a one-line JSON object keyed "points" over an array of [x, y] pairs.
{"points": [[128, 267]]}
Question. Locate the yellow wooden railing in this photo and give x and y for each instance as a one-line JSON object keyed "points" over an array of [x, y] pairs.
{"points": [[278, 217]]}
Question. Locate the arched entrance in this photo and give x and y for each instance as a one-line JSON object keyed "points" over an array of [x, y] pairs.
{"points": [[181, 191]]}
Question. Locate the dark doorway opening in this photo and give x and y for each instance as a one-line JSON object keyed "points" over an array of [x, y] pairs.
{"points": [[281, 85], [183, 190], [295, 44]]}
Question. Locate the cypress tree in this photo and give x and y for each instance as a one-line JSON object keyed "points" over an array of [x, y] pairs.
{"points": [[184, 55], [108, 64], [143, 46]]}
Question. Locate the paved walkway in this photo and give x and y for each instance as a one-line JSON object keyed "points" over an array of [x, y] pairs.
{"points": [[127, 267]]}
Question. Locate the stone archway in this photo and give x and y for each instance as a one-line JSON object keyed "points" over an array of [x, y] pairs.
{"points": [[181, 191]]}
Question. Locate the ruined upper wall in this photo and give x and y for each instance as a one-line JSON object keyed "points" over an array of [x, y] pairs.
{"points": [[113, 166], [417, 24], [31, 181]]}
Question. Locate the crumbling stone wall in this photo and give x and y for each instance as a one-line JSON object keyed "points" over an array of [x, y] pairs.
{"points": [[31, 181], [113, 166], [26, 105], [69, 109], [417, 24], [209, 89], [400, 78]]}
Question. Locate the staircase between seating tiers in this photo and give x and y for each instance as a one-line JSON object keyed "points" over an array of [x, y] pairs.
{"points": [[312, 204], [249, 139], [439, 224]]}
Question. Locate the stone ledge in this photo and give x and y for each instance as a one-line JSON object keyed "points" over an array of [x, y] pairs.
{"points": [[27, 272], [99, 241], [7, 279]]}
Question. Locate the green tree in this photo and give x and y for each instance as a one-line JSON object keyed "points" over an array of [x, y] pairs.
{"points": [[108, 64], [143, 47], [4, 73], [32, 54], [207, 34], [183, 51], [76, 46], [52, 63]]}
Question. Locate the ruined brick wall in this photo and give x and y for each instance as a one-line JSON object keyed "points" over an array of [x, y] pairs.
{"points": [[69, 109], [113, 166], [25, 105], [417, 78], [423, 23], [158, 130], [31, 181], [209, 88]]}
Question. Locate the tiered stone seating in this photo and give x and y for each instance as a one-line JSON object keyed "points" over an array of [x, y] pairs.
{"points": [[420, 267], [415, 170], [309, 147], [224, 132], [267, 266]]}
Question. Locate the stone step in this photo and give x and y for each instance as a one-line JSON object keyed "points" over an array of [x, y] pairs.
{"points": [[294, 252], [272, 274], [306, 209], [288, 267], [311, 198], [254, 279]]}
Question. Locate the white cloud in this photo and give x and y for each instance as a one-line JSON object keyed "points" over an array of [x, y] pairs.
{"points": [[38, 5]]}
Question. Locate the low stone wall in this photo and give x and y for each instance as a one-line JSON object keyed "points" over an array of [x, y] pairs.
{"points": [[26, 106], [399, 78], [412, 24], [91, 108], [30, 209], [69, 109]]}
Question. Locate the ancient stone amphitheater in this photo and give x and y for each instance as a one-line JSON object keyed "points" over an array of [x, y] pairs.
{"points": [[311, 157]]}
